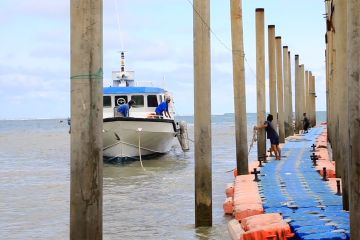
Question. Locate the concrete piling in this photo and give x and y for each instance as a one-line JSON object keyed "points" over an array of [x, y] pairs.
{"points": [[202, 126], [298, 95], [302, 91], [86, 175], [330, 73], [306, 93], [260, 79], [272, 73], [280, 89], [290, 101], [342, 114], [312, 100], [239, 87], [287, 96], [353, 60]]}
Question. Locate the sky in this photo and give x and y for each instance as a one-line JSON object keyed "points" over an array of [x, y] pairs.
{"points": [[157, 36]]}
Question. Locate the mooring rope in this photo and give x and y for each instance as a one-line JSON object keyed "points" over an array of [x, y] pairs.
{"points": [[139, 131], [254, 139]]}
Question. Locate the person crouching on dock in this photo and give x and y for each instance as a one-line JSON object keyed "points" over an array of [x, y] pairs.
{"points": [[272, 135]]}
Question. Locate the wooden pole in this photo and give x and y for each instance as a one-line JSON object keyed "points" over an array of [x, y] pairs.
{"points": [[342, 163], [280, 89], [298, 100], [272, 73], [290, 120], [202, 106], [239, 87], [353, 14], [260, 79], [86, 120]]}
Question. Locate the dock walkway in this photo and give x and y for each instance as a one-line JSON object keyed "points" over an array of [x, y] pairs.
{"points": [[310, 208], [294, 188]]}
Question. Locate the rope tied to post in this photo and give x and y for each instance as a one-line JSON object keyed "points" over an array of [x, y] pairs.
{"points": [[254, 139], [97, 75]]}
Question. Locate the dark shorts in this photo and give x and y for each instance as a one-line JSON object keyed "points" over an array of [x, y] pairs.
{"points": [[274, 141]]}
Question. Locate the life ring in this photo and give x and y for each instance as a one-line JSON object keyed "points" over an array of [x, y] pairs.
{"points": [[120, 101]]}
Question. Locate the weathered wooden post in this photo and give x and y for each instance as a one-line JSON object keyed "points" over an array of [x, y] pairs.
{"points": [[202, 106], [298, 113], [86, 120], [280, 89], [287, 98], [260, 80], [239, 87], [272, 73], [290, 120], [353, 14], [341, 74]]}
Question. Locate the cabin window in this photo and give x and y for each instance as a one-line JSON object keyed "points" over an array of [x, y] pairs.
{"points": [[120, 100], [152, 101], [107, 101], [139, 100], [161, 98]]}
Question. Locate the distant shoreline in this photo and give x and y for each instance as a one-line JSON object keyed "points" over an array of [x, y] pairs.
{"points": [[64, 118]]}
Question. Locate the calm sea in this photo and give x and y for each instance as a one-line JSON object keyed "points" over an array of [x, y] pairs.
{"points": [[154, 204]]}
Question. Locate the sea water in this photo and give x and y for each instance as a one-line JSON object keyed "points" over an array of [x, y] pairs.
{"points": [[157, 203]]}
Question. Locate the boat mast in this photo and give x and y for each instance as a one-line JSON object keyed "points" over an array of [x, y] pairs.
{"points": [[122, 65]]}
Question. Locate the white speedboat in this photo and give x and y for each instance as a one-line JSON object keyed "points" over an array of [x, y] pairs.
{"points": [[142, 133]]}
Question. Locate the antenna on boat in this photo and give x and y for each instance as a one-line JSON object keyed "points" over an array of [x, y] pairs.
{"points": [[122, 62]]}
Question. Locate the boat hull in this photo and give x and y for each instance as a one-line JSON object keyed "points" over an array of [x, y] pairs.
{"points": [[123, 136]]}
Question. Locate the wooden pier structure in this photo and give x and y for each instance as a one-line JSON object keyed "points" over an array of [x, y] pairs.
{"points": [[288, 176]]}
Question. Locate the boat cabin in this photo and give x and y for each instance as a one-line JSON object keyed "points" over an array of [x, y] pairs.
{"points": [[146, 100]]}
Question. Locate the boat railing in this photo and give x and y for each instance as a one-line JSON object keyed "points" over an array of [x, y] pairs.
{"points": [[116, 113]]}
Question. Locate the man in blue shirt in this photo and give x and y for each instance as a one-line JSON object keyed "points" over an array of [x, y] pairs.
{"points": [[163, 108], [123, 109]]}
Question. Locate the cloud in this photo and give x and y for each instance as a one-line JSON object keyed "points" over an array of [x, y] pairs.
{"points": [[158, 35]]}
